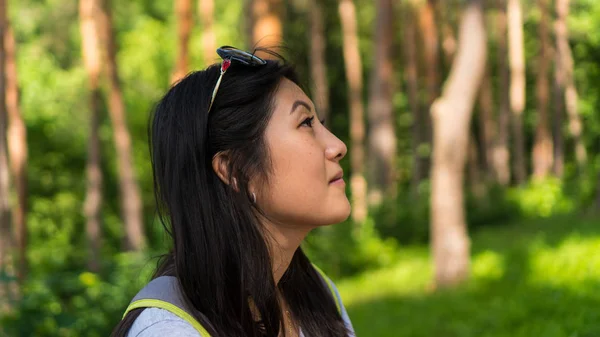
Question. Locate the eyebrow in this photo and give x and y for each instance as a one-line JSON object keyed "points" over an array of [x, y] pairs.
{"points": [[297, 104]]}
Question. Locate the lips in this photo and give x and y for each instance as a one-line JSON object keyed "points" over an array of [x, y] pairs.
{"points": [[337, 177]]}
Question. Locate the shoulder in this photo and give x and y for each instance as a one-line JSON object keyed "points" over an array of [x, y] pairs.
{"points": [[155, 322], [331, 285], [338, 298], [336, 294], [344, 312]]}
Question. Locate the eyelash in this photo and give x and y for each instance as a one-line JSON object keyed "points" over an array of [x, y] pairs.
{"points": [[310, 120]]}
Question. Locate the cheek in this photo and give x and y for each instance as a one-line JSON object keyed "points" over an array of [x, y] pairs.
{"points": [[297, 165], [298, 191], [298, 178]]}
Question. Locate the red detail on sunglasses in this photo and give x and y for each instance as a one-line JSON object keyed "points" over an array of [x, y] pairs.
{"points": [[226, 63]]}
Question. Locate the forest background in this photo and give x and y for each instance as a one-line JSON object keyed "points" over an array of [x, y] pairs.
{"points": [[473, 166]]}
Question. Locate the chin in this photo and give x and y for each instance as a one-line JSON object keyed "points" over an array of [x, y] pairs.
{"points": [[337, 213]]}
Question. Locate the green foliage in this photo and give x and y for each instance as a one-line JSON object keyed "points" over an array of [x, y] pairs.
{"points": [[346, 248], [494, 208], [537, 278], [542, 198], [530, 279], [407, 218], [73, 302]]}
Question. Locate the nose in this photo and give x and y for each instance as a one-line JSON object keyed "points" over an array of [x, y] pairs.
{"points": [[335, 149]]}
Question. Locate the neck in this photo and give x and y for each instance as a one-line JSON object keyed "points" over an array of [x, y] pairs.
{"points": [[283, 241]]}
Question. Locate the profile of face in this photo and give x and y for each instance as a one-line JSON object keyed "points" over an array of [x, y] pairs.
{"points": [[305, 185]]}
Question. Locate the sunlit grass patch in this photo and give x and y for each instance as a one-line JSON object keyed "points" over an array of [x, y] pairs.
{"points": [[576, 260], [538, 278], [413, 271]]}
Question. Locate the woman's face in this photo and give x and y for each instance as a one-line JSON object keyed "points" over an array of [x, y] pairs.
{"points": [[305, 187]]}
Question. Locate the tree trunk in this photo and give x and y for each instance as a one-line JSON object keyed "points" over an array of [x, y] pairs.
{"points": [[267, 30], [318, 65], [516, 54], [206, 12], [412, 79], [445, 10], [17, 150], [475, 178], [487, 125], [570, 95], [451, 115], [90, 36], [542, 148], [353, 67], [183, 14], [249, 24], [559, 107], [382, 132], [427, 23], [429, 31], [501, 152], [5, 214], [129, 190]]}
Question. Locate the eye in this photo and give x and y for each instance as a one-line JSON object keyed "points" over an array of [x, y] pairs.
{"points": [[308, 121]]}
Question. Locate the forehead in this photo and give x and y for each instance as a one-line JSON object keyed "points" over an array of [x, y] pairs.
{"points": [[287, 93]]}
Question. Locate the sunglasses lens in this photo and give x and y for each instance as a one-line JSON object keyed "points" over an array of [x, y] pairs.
{"points": [[240, 56]]}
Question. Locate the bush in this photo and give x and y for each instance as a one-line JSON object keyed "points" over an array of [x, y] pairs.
{"points": [[345, 248], [407, 218], [74, 302], [542, 198]]}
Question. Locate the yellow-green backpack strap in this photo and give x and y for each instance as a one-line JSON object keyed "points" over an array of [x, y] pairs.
{"points": [[331, 289], [152, 303], [163, 293]]}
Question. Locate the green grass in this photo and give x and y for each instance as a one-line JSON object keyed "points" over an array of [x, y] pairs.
{"points": [[536, 278]]}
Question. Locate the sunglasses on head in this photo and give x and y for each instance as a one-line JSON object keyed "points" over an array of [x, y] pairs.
{"points": [[229, 54]]}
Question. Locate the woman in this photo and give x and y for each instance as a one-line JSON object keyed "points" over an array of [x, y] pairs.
{"points": [[243, 171]]}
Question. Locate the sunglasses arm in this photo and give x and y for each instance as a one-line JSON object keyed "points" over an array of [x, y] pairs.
{"points": [[224, 66]]}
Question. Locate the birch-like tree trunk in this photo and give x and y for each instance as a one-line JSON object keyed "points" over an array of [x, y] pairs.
{"points": [[451, 115]]}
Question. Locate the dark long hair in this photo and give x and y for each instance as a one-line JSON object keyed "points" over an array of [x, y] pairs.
{"points": [[219, 254]]}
